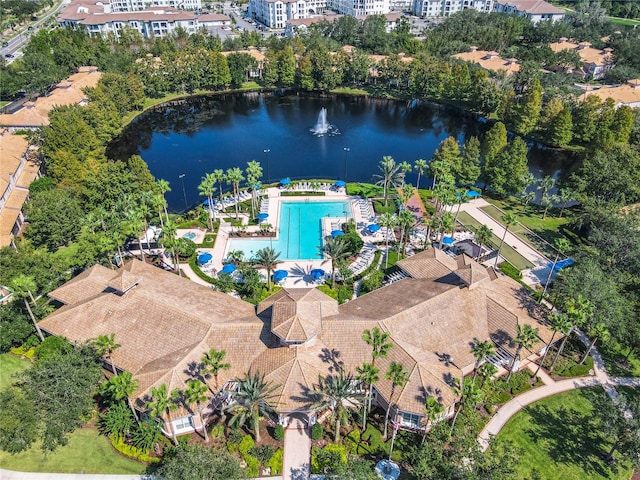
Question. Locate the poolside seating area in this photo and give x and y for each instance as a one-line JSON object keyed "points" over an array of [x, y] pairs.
{"points": [[231, 200], [364, 259], [365, 208]]}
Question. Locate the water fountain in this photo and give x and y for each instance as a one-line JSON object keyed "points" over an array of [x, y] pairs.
{"points": [[322, 126]]}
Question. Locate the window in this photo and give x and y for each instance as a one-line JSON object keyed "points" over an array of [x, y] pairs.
{"points": [[410, 420], [183, 423]]}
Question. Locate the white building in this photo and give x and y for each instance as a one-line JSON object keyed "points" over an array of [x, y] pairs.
{"points": [[276, 13], [444, 8], [138, 5], [149, 23], [534, 10]]}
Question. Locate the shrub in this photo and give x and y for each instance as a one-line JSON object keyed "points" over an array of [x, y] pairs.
{"points": [[344, 293], [510, 271], [316, 431], [235, 437], [27, 353], [571, 369], [352, 440], [503, 397], [246, 444], [52, 346], [217, 431], [327, 457], [278, 433], [253, 465], [130, 451], [185, 248], [262, 453], [521, 388], [378, 206], [275, 462]]}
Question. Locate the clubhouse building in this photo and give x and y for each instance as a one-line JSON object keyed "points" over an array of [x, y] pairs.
{"points": [[165, 324]]}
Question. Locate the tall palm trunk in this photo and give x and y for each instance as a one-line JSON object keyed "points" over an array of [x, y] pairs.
{"points": [[386, 417], [513, 363], [555, 359], [256, 425], [546, 352], [33, 318]]}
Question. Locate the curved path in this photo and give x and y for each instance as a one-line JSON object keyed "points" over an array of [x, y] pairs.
{"points": [[551, 387]]}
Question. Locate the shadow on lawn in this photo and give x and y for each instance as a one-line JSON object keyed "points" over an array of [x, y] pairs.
{"points": [[571, 437]]}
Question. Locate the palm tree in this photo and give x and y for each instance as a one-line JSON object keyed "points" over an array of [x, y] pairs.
{"points": [[254, 174], [565, 196], [469, 392], [106, 345], [482, 237], [121, 387], [367, 375], [23, 287], [599, 331], [196, 392], [433, 410], [559, 322], [252, 397], [564, 325], [267, 258], [207, 188], [508, 219], [399, 377], [389, 221], [486, 370], [234, 177], [525, 338], [169, 241], [337, 393], [220, 177], [336, 249], [379, 342], [562, 245], [213, 362], [135, 224], [389, 177], [162, 402], [405, 167], [420, 166], [544, 185], [163, 187], [481, 350], [406, 221], [461, 197]]}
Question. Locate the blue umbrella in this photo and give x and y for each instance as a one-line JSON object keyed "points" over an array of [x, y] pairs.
{"points": [[472, 194], [206, 203], [229, 268], [263, 216], [337, 233], [279, 275], [340, 183], [285, 181], [204, 258], [374, 227], [447, 241], [317, 273], [561, 264]]}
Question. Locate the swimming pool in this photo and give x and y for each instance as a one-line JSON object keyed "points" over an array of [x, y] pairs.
{"points": [[299, 230]]}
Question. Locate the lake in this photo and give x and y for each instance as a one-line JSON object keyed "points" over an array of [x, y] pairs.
{"points": [[201, 134]]}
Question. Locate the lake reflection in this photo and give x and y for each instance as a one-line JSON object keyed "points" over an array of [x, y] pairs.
{"points": [[225, 131]]}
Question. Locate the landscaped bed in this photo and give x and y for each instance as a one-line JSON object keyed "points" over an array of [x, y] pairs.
{"points": [[560, 437]]}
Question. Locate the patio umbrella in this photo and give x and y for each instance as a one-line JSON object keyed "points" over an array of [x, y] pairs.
{"points": [[373, 228], [317, 273], [263, 216], [472, 194], [340, 183], [447, 241], [279, 275], [206, 203], [285, 181], [204, 258], [337, 233], [229, 268]]}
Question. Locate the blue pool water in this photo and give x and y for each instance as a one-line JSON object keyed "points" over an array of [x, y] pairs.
{"points": [[299, 230]]}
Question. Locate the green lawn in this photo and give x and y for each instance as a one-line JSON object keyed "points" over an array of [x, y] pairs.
{"points": [[507, 252], [86, 452], [560, 438], [618, 362], [544, 231], [9, 365]]}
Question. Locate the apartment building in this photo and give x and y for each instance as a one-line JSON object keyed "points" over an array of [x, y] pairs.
{"points": [[444, 8], [534, 10]]}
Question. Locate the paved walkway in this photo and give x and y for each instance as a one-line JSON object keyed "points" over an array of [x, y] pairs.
{"points": [[297, 451], [534, 276], [552, 387]]}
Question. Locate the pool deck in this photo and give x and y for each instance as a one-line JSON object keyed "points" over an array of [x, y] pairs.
{"points": [[299, 270]]}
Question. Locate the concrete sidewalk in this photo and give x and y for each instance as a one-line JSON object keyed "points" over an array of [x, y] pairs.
{"points": [[297, 451]]}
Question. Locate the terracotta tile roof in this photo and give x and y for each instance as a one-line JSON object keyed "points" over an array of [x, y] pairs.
{"points": [[533, 7], [166, 323], [490, 61], [627, 94]]}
